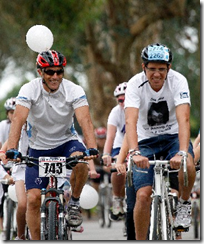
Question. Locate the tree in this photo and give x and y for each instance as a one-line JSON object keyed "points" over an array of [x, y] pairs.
{"points": [[103, 40]]}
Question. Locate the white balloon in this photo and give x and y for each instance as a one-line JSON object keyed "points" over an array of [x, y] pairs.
{"points": [[12, 193], [89, 197], [39, 38]]}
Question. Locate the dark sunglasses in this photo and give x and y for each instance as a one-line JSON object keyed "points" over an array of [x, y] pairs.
{"points": [[52, 72], [121, 100]]}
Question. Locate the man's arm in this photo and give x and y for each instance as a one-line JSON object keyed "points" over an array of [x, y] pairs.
{"points": [[111, 131], [84, 120], [183, 118], [19, 118], [131, 117]]}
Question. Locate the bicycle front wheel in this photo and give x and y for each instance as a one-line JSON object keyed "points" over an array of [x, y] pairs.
{"points": [[9, 224], [52, 220], [155, 220], [195, 215]]}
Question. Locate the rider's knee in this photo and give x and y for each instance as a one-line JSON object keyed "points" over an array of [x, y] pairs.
{"points": [[144, 194], [33, 198]]}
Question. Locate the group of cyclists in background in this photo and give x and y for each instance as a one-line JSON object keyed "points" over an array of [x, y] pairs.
{"points": [[151, 118]]}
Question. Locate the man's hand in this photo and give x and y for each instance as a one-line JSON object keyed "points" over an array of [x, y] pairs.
{"points": [[13, 154], [91, 153], [176, 161], [107, 160], [141, 161], [121, 168], [10, 179], [3, 157]]}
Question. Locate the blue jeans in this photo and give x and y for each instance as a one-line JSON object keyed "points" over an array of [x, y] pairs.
{"points": [[165, 146]]}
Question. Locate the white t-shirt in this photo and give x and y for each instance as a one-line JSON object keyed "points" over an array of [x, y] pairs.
{"points": [[117, 118], [4, 130], [157, 109], [50, 119]]}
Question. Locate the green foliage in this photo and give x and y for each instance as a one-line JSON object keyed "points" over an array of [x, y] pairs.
{"points": [[13, 93], [103, 39]]}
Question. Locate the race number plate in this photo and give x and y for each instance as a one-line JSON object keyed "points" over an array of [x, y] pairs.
{"points": [[52, 166]]}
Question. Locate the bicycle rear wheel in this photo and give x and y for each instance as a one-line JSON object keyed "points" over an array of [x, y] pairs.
{"points": [[52, 220], [155, 220]]}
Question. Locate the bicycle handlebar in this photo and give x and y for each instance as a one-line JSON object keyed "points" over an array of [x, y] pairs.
{"points": [[70, 161]]}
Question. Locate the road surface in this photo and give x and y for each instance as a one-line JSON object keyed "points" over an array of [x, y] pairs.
{"points": [[92, 231]]}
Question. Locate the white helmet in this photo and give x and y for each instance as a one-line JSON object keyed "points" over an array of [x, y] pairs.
{"points": [[10, 104], [120, 89]]}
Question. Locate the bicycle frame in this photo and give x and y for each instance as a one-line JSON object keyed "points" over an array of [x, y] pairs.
{"points": [[160, 196]]}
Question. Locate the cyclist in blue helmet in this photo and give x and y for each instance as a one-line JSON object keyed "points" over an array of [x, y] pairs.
{"points": [[157, 113]]}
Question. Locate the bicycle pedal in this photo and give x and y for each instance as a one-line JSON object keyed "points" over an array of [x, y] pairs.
{"points": [[79, 229], [181, 229]]}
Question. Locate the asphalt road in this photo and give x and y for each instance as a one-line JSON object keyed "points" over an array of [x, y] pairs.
{"points": [[92, 231]]}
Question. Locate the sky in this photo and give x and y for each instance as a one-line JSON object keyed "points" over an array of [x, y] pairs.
{"points": [[12, 77]]}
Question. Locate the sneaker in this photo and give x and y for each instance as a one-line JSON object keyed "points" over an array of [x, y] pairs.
{"points": [[18, 239], [74, 217], [183, 215], [117, 211], [2, 236]]}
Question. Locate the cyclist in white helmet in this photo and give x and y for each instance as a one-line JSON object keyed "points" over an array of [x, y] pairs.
{"points": [[114, 139], [9, 106], [18, 172]]}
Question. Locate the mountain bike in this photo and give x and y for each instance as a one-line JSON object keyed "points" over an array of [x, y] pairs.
{"points": [[53, 221]]}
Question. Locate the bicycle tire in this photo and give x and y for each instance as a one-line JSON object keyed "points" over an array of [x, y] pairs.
{"points": [[102, 215], [101, 207], [155, 221], [107, 207], [52, 220], [9, 224], [195, 212], [169, 219]]}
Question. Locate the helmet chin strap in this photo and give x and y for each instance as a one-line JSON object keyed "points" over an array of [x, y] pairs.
{"points": [[51, 90]]}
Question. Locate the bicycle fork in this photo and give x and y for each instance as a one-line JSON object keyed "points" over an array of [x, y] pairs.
{"points": [[60, 212]]}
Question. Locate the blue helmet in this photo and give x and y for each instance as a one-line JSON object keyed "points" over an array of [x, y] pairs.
{"points": [[156, 52]]}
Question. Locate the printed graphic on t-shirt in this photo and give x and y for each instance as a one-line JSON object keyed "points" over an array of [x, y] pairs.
{"points": [[158, 113], [123, 129]]}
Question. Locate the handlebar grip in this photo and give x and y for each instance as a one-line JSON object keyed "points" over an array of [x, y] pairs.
{"points": [[113, 170]]}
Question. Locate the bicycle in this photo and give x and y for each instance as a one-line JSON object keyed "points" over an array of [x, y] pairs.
{"points": [[195, 195], [105, 201], [53, 221], [163, 201], [9, 209]]}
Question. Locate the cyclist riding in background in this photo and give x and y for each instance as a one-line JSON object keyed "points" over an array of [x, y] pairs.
{"points": [[9, 106], [48, 103], [115, 134], [157, 112], [18, 174], [100, 135], [196, 149]]}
